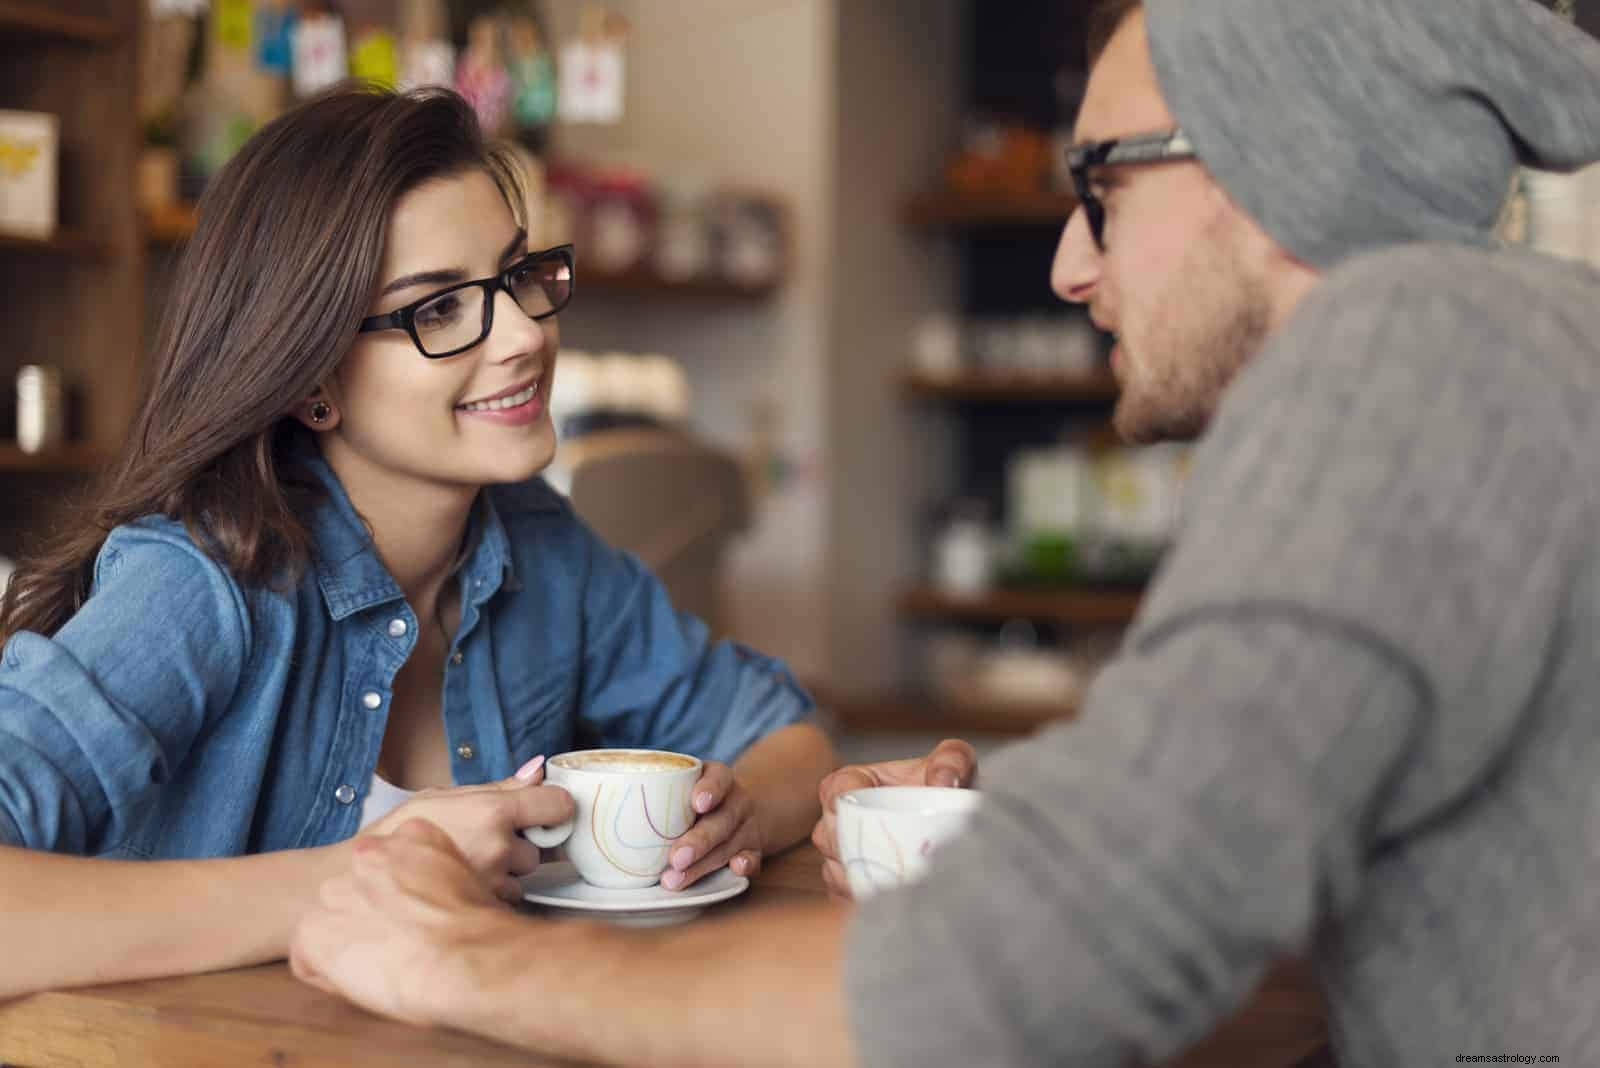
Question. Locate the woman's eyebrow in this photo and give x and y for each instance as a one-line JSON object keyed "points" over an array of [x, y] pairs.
{"points": [[447, 275], [516, 247], [405, 281]]}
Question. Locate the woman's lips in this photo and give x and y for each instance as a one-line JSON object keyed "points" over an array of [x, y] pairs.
{"points": [[528, 411]]}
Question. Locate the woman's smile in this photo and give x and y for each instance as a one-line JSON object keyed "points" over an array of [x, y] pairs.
{"points": [[514, 406]]}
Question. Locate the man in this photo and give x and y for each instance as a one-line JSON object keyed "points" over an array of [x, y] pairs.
{"points": [[1356, 714]]}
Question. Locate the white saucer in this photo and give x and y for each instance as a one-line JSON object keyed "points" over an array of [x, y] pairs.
{"points": [[556, 887]]}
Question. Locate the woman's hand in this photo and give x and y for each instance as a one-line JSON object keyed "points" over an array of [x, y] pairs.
{"points": [[484, 823], [726, 832], [400, 931]]}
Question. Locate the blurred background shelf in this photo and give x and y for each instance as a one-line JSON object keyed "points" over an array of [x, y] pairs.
{"points": [[913, 713], [1014, 387], [175, 224], [40, 20], [67, 459], [651, 282], [64, 242], [965, 210], [1084, 608], [170, 225]]}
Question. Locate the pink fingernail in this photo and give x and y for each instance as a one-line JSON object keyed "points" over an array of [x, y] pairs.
{"points": [[531, 768], [672, 880], [702, 800], [682, 858]]}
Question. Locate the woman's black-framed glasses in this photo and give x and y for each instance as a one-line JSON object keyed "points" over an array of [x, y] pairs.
{"points": [[1084, 158], [455, 319]]}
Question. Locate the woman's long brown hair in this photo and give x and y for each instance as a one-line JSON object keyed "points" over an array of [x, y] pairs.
{"points": [[271, 287]]}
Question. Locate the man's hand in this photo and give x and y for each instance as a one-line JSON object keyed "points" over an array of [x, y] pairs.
{"points": [[951, 763], [483, 822], [725, 833], [402, 933]]}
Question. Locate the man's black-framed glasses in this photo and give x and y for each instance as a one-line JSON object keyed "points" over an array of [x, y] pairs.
{"points": [[455, 319], [1083, 159]]}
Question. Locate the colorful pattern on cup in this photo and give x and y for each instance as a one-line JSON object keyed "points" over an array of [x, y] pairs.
{"points": [[637, 855], [889, 866], [887, 834]]}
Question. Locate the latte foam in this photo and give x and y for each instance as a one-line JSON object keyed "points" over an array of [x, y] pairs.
{"points": [[632, 761]]}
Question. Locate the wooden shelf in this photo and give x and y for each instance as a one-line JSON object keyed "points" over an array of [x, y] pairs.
{"points": [[64, 242], [650, 282], [70, 458], [171, 226], [1084, 608], [37, 19], [963, 211], [1018, 387], [912, 713]]}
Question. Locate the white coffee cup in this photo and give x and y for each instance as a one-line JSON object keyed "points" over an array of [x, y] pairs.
{"points": [[631, 804], [887, 833]]}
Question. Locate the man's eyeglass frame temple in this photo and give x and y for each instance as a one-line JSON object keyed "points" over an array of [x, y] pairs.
{"points": [[405, 318], [1121, 151]]}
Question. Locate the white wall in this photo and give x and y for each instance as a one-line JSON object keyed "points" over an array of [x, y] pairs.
{"points": [[738, 90], [901, 88]]}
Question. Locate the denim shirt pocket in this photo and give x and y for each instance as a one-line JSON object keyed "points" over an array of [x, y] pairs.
{"points": [[538, 701]]}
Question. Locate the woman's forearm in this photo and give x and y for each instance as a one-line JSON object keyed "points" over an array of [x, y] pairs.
{"points": [[781, 772], [75, 921]]}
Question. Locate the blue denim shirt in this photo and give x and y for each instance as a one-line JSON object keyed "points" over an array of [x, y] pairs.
{"points": [[179, 714]]}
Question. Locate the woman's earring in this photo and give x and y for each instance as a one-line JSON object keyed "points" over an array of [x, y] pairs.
{"points": [[320, 412]]}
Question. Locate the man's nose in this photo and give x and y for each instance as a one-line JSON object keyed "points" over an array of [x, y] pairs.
{"points": [[1076, 270]]}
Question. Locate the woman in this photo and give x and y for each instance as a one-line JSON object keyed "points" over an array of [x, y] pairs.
{"points": [[323, 576]]}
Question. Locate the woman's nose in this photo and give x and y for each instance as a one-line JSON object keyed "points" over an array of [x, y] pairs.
{"points": [[514, 333]]}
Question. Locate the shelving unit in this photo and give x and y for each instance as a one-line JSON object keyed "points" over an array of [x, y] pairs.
{"points": [[933, 714], [981, 259], [36, 20], [64, 243], [1070, 607], [80, 288], [972, 211], [1098, 386], [174, 225], [69, 459]]}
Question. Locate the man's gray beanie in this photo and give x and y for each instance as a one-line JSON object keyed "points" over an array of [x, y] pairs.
{"points": [[1346, 125]]}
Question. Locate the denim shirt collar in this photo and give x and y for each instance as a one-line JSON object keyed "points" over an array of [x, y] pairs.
{"points": [[350, 574]]}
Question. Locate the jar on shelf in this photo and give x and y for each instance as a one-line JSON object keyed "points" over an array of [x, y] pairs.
{"points": [[964, 551], [41, 408]]}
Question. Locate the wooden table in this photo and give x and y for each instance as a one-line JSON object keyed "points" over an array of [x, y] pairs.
{"points": [[263, 1016]]}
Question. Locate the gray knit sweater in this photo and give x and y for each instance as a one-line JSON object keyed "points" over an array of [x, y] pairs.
{"points": [[1358, 718]]}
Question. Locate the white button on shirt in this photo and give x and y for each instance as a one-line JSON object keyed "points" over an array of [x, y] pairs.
{"points": [[372, 699], [397, 628]]}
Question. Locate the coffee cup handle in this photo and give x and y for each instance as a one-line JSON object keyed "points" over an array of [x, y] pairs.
{"points": [[550, 837]]}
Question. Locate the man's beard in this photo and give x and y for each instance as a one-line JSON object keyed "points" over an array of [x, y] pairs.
{"points": [[1206, 325]]}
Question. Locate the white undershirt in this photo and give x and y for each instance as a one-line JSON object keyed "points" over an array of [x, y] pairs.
{"points": [[382, 798]]}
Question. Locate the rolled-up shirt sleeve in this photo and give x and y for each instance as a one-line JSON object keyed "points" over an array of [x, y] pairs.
{"points": [[1382, 530], [97, 716], [653, 677]]}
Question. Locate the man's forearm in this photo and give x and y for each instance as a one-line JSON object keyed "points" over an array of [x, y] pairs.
{"points": [[762, 986], [782, 771]]}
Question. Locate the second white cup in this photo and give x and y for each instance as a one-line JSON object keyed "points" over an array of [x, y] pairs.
{"points": [[887, 833]]}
